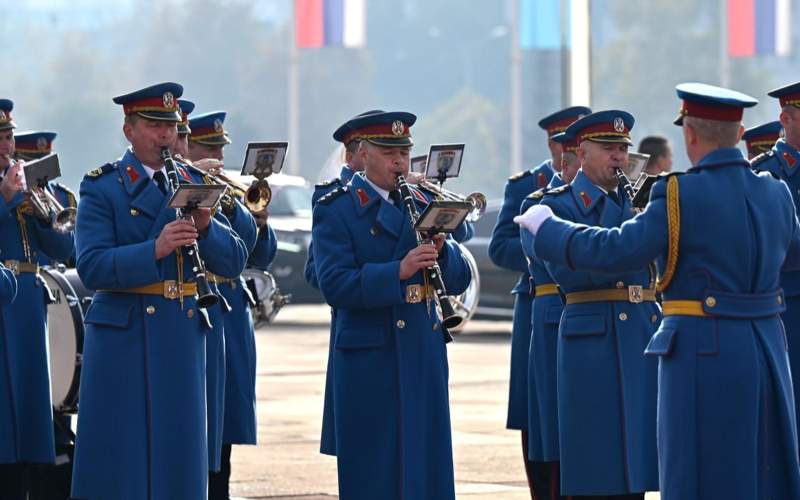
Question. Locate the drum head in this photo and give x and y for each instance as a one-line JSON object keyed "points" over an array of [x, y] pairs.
{"points": [[65, 336]]}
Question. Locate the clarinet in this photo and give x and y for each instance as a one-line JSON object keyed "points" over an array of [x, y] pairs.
{"points": [[434, 274], [206, 298], [625, 184]]}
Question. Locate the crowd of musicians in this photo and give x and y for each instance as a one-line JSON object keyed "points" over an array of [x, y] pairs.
{"points": [[652, 346]]}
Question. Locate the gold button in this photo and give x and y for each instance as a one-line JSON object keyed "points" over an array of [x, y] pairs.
{"points": [[711, 301], [190, 313], [780, 300], [373, 231], [623, 317], [401, 323], [151, 310], [134, 212], [620, 284], [436, 326], [654, 318], [233, 284], [128, 168]]}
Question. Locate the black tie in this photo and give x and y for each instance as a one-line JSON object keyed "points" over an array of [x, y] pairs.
{"points": [[161, 181], [614, 197], [396, 199]]}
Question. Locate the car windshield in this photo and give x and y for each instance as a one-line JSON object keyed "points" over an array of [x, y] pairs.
{"points": [[291, 200]]}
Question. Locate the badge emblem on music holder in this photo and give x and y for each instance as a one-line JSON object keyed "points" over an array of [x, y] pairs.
{"points": [[168, 100], [397, 127], [41, 144], [218, 125], [619, 124]]}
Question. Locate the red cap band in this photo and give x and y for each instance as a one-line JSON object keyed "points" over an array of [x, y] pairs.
{"points": [[712, 112]]}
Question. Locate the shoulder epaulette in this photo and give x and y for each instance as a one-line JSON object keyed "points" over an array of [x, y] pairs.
{"points": [[520, 175], [332, 195], [537, 195], [328, 182], [761, 158], [94, 174], [556, 190]]}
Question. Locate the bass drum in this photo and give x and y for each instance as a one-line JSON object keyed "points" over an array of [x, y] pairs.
{"points": [[269, 299], [65, 332], [466, 303]]}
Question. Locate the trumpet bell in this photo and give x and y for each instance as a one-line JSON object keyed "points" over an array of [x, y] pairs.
{"points": [[64, 221], [258, 195]]}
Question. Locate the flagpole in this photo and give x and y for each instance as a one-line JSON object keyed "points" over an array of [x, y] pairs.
{"points": [[566, 59], [515, 103], [724, 58], [293, 84]]}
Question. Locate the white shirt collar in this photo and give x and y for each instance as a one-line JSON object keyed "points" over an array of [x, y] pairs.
{"points": [[150, 171], [382, 192]]}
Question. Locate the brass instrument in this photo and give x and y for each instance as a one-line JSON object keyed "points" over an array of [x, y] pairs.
{"points": [[477, 200], [256, 196], [41, 203]]}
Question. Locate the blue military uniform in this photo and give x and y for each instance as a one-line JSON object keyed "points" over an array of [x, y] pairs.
{"points": [[143, 378], [26, 423], [387, 343], [606, 324], [32, 146], [726, 417], [505, 252], [782, 162]]}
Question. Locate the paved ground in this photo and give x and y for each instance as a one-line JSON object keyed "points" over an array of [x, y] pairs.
{"points": [[291, 376]]}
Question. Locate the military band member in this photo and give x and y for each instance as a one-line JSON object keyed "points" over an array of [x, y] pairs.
{"points": [[142, 417], [606, 387], [207, 140], [33, 146], [181, 148], [546, 311], [348, 134], [782, 162], [726, 425], [762, 138], [506, 252], [26, 416], [393, 435]]}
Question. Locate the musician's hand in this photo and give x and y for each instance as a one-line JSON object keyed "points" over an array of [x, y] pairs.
{"points": [[12, 182], [419, 258], [438, 241], [414, 177], [202, 218], [261, 217], [174, 235], [210, 165]]}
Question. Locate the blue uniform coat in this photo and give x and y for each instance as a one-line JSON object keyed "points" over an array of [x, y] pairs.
{"points": [[390, 360], [506, 252], [545, 315], [26, 414], [240, 341], [782, 162], [142, 417], [726, 416], [606, 387]]}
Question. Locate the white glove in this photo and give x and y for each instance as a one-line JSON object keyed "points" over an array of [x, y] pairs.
{"points": [[534, 217]]}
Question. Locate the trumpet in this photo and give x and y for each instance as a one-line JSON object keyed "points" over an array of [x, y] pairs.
{"points": [[41, 203], [258, 195], [255, 196], [477, 200], [45, 206]]}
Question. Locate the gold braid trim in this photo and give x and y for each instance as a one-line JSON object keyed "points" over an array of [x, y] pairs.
{"points": [[674, 228], [23, 231]]}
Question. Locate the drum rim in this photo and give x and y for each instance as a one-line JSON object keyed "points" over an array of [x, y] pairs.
{"points": [[70, 403]]}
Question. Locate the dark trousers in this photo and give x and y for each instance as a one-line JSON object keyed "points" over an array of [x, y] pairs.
{"points": [[219, 482], [543, 477], [14, 481]]}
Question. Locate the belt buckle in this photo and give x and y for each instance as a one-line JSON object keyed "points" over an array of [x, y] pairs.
{"points": [[172, 289], [414, 294], [635, 295], [13, 266]]}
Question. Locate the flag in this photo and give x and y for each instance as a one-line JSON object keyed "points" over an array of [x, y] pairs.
{"points": [[541, 22], [330, 23], [759, 27]]}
